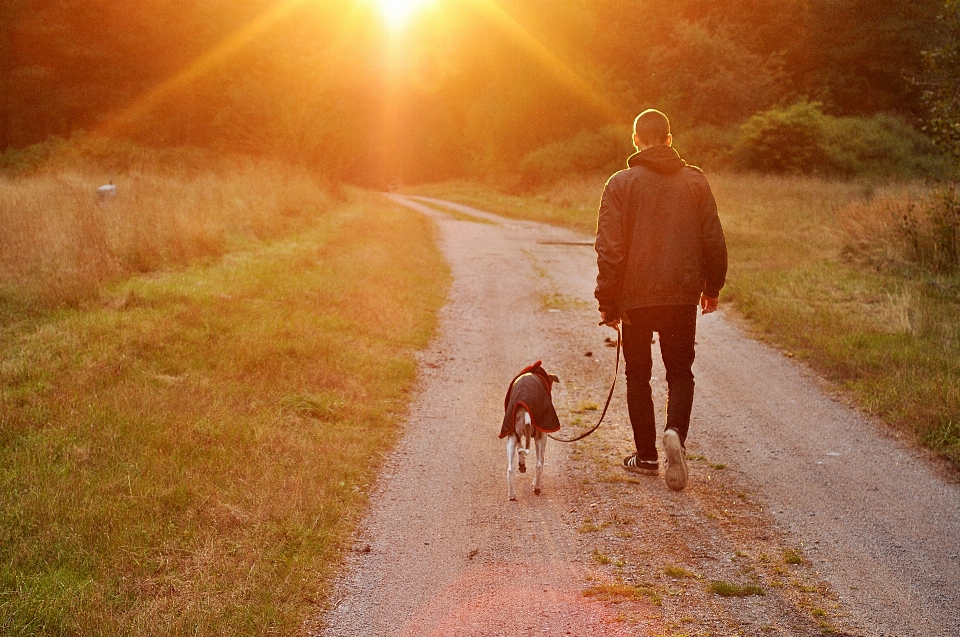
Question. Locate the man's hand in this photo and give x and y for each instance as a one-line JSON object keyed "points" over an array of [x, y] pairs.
{"points": [[708, 304], [610, 319]]}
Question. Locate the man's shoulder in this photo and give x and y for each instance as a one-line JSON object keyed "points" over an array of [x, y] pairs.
{"points": [[619, 176], [695, 176]]}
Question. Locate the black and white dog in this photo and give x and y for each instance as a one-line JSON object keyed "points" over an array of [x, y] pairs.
{"points": [[528, 413]]}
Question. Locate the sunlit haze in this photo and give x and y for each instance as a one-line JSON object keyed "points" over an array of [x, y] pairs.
{"points": [[397, 13]]}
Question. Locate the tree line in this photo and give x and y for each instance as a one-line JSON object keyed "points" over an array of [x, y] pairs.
{"points": [[472, 86]]}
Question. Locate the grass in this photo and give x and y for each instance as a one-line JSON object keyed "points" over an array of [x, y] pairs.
{"points": [[888, 337], [589, 526], [791, 556], [616, 592], [557, 301], [187, 452], [678, 572], [59, 246], [729, 589], [601, 558]]}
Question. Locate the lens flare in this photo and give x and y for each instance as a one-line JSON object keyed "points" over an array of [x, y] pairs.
{"points": [[396, 13]]}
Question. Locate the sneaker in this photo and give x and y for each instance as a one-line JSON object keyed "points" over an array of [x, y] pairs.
{"points": [[643, 467], [676, 473]]}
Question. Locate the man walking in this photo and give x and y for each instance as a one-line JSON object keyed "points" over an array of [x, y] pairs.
{"points": [[660, 253]]}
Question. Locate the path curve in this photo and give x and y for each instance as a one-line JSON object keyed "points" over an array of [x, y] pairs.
{"points": [[448, 555]]}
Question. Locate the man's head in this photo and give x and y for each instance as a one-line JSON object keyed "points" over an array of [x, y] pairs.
{"points": [[651, 128]]}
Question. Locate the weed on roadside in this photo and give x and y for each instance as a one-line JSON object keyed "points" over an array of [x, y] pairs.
{"points": [[678, 572], [791, 556], [619, 591], [729, 589]]}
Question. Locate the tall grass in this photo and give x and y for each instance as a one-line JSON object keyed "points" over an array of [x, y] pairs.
{"points": [[809, 269], [190, 454], [918, 230], [59, 245]]}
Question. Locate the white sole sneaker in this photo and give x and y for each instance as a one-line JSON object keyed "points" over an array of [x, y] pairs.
{"points": [[676, 473]]}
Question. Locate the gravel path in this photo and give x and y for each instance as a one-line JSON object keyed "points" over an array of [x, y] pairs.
{"points": [[442, 551]]}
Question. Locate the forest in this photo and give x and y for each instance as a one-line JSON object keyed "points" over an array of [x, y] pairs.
{"points": [[523, 88]]}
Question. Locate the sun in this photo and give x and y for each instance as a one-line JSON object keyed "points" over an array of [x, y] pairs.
{"points": [[396, 13]]}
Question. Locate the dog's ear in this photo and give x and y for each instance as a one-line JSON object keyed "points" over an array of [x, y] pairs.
{"points": [[554, 378]]}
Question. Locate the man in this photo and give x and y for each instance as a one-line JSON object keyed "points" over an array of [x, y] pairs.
{"points": [[660, 253]]}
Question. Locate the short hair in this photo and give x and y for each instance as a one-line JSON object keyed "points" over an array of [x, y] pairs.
{"points": [[651, 127]]}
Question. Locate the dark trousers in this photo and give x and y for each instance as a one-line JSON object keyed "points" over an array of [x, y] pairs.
{"points": [[677, 327]]}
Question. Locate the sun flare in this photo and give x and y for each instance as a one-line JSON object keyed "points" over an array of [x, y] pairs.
{"points": [[396, 13]]}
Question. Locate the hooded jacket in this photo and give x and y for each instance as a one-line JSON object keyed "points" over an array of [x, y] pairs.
{"points": [[531, 388], [659, 239]]}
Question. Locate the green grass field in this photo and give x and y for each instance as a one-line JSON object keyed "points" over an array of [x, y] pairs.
{"points": [[187, 451], [890, 338]]}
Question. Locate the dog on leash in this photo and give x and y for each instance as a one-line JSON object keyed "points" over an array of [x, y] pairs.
{"points": [[528, 413]]}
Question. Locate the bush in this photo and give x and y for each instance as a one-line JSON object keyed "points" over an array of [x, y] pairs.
{"points": [[603, 151], [707, 146], [880, 145], [784, 140], [802, 139]]}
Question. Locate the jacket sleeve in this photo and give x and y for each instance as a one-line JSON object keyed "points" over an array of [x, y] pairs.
{"points": [[714, 245], [611, 247]]}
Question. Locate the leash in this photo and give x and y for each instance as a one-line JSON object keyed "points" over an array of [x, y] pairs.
{"points": [[616, 372]]}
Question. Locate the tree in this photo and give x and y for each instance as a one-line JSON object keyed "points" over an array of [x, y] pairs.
{"points": [[941, 82], [858, 56]]}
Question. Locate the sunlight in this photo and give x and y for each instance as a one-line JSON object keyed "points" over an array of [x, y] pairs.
{"points": [[397, 13]]}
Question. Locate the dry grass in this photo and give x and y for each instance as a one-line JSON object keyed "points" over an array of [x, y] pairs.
{"points": [[730, 589], [189, 455], [616, 592], [906, 231], [58, 245], [889, 336]]}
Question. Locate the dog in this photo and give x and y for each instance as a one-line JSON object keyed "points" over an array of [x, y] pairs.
{"points": [[528, 413]]}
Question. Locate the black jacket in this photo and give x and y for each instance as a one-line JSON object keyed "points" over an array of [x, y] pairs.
{"points": [[659, 239]]}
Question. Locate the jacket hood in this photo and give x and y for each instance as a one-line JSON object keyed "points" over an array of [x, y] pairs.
{"points": [[660, 159]]}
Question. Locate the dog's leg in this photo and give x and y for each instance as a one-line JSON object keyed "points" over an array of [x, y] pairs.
{"points": [[541, 442], [512, 443], [521, 426]]}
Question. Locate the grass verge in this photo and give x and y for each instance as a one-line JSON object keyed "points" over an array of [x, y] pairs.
{"points": [[189, 454], [889, 338]]}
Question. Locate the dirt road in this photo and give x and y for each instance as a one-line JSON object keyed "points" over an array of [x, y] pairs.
{"points": [[802, 516]]}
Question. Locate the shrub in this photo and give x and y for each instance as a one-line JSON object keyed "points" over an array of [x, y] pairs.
{"points": [[879, 145], [707, 146], [784, 140], [802, 139], [605, 150]]}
